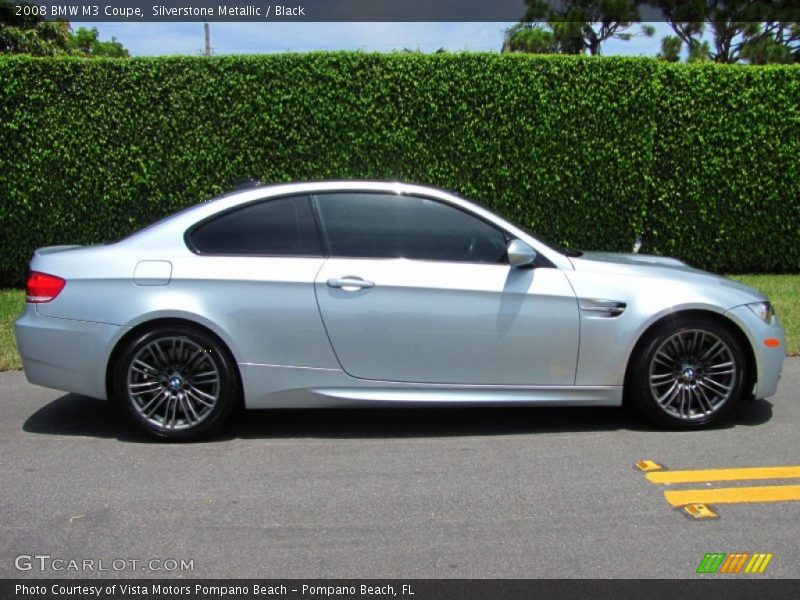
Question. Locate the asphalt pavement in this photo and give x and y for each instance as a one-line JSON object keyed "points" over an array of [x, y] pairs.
{"points": [[473, 493]]}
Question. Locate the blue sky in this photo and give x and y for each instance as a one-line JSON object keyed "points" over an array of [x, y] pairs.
{"points": [[143, 39]]}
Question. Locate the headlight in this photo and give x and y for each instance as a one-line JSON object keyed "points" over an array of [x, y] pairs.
{"points": [[763, 310]]}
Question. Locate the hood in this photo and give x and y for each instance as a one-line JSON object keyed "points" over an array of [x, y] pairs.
{"points": [[661, 267], [635, 259]]}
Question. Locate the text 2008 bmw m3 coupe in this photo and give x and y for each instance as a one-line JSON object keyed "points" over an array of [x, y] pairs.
{"points": [[376, 294]]}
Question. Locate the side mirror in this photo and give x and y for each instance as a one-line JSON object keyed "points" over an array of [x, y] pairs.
{"points": [[520, 254]]}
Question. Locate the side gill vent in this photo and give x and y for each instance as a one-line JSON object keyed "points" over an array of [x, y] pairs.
{"points": [[608, 309]]}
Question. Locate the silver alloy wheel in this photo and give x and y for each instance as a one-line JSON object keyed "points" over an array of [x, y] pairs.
{"points": [[173, 383], [692, 374]]}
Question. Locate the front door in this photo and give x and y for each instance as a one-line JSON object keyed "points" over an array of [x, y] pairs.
{"points": [[420, 291]]}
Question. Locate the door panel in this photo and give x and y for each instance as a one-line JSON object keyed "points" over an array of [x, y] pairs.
{"points": [[449, 322]]}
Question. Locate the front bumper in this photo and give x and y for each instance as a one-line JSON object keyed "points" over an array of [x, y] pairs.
{"points": [[769, 360], [65, 354]]}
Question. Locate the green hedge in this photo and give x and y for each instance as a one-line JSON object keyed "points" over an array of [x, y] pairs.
{"points": [[727, 168], [589, 152]]}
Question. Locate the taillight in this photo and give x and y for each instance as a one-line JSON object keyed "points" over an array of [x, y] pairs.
{"points": [[42, 287]]}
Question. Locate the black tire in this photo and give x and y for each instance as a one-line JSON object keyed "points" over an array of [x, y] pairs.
{"points": [[680, 377], [176, 382]]}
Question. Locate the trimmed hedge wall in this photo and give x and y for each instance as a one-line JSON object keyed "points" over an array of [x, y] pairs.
{"points": [[704, 161], [727, 168]]}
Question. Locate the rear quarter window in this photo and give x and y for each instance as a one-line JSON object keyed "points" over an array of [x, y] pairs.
{"points": [[276, 227]]}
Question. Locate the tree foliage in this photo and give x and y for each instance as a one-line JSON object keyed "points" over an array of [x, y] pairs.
{"points": [[32, 34], [532, 38], [738, 30], [87, 42], [670, 49], [574, 26]]}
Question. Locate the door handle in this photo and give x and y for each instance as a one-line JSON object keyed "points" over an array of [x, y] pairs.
{"points": [[350, 283]]}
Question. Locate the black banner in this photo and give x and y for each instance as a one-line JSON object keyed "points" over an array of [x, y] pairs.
{"points": [[714, 588], [351, 10]]}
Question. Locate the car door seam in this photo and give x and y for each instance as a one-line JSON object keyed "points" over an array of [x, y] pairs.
{"points": [[314, 285], [580, 327]]}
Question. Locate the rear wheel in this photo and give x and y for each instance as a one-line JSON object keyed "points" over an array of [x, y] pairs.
{"points": [[176, 382], [689, 374]]}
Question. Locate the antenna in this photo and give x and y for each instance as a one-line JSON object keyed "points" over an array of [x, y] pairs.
{"points": [[207, 51]]}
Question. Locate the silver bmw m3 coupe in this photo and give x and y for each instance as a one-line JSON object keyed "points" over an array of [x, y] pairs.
{"points": [[383, 294]]}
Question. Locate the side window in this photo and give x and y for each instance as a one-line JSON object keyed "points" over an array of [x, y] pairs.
{"points": [[390, 226], [280, 227]]}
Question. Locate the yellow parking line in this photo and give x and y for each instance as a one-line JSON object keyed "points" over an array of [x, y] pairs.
{"points": [[788, 472], [767, 493]]}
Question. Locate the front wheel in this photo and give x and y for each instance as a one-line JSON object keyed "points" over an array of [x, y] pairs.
{"points": [[689, 374], [176, 382]]}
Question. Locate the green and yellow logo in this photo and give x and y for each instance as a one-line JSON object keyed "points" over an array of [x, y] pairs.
{"points": [[735, 562]]}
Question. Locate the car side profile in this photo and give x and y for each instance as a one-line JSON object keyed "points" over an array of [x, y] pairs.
{"points": [[333, 294]]}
